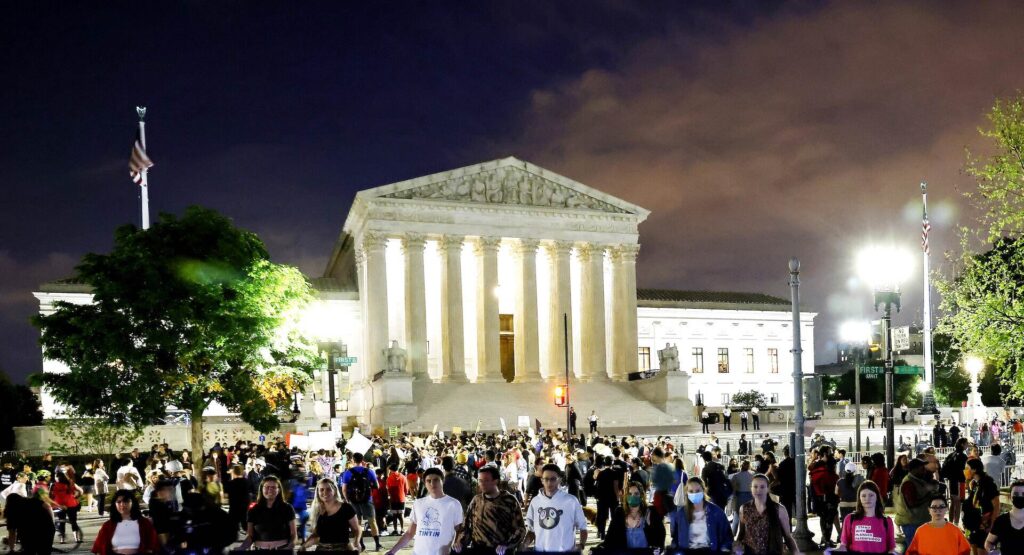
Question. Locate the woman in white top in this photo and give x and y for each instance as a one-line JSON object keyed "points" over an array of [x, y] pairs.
{"points": [[127, 532], [102, 479]]}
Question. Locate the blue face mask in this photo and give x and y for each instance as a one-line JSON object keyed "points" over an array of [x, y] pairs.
{"points": [[695, 498]]}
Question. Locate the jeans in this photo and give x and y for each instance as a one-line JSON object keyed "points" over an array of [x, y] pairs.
{"points": [[908, 532]]}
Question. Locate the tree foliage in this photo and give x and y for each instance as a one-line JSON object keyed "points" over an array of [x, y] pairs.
{"points": [[20, 408], [983, 301], [187, 313], [752, 398], [77, 435]]}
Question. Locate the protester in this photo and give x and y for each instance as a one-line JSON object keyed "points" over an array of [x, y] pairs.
{"points": [[270, 523], [553, 516], [335, 525], [356, 485], [64, 494], [494, 517], [1008, 529], [912, 497], [981, 506], [846, 489], [635, 525], [867, 529], [237, 490], [824, 502], [764, 524], [127, 531], [953, 471], [698, 523], [938, 536], [30, 521], [435, 520]]}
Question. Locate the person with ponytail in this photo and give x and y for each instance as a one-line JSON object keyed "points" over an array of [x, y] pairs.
{"points": [[697, 523]]}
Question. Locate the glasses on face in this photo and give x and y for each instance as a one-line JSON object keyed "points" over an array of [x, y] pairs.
{"points": [[937, 507]]}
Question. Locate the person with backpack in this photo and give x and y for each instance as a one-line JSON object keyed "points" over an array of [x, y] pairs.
{"points": [[912, 497], [867, 529], [719, 489], [824, 502], [356, 484], [952, 471]]}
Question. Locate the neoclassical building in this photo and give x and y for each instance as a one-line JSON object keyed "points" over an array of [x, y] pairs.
{"points": [[495, 281]]}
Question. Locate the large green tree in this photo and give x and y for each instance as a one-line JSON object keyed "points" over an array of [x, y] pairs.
{"points": [[187, 313], [983, 301], [20, 408]]}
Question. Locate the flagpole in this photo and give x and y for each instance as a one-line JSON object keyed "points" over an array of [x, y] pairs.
{"points": [[144, 186], [929, 376]]}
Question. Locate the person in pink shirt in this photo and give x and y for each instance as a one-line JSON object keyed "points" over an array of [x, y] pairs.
{"points": [[867, 529]]}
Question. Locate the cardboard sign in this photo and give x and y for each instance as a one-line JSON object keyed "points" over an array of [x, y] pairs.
{"points": [[524, 422], [456, 430], [358, 443], [435, 430], [322, 440], [478, 423], [299, 442]]}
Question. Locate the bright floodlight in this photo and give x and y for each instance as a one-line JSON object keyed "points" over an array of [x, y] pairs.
{"points": [[922, 386], [855, 331], [884, 268], [974, 365]]}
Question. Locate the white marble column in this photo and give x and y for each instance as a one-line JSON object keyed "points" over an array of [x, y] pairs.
{"points": [[624, 310], [561, 304], [415, 303], [488, 341], [592, 335], [360, 372], [527, 336], [453, 353], [376, 283]]}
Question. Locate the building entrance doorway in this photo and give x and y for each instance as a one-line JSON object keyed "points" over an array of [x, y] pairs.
{"points": [[508, 347]]}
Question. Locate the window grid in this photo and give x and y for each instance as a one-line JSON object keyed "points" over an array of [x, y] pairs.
{"points": [[723, 360], [698, 360], [749, 354], [644, 354], [773, 360]]}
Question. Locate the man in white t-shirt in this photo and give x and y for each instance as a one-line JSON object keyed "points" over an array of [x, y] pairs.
{"points": [[554, 516], [436, 519], [128, 476]]}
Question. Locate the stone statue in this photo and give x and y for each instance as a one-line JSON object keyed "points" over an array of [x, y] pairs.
{"points": [[668, 358], [395, 356]]}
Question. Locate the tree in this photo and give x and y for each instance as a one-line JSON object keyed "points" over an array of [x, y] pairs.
{"points": [[21, 408], [983, 302], [187, 313], [76, 435], [752, 398]]}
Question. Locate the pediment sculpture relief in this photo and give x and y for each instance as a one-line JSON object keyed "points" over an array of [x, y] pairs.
{"points": [[507, 186]]}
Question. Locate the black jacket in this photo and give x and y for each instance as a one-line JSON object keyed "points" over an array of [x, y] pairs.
{"points": [[654, 530]]}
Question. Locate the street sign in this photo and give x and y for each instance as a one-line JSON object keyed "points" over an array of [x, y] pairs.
{"points": [[263, 438], [345, 361], [901, 338], [870, 371]]}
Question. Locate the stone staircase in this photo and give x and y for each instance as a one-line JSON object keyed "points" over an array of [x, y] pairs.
{"points": [[620, 405]]}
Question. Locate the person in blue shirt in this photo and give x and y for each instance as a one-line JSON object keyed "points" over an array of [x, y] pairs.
{"points": [[356, 484], [698, 523], [300, 495]]}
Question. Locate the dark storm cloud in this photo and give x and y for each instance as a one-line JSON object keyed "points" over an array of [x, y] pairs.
{"points": [[803, 134]]}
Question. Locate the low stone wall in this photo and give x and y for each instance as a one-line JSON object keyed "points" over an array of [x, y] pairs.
{"points": [[39, 439]]}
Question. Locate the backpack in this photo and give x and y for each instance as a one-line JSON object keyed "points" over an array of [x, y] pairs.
{"points": [[358, 487], [719, 487], [948, 470]]}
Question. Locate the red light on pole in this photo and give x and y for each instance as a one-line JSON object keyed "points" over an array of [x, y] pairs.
{"points": [[560, 392]]}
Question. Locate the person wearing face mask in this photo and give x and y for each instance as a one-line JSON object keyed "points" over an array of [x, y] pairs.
{"points": [[867, 529], [698, 523], [635, 525], [764, 524], [939, 536], [1008, 530], [981, 506]]}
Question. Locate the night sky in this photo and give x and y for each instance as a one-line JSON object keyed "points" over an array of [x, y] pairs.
{"points": [[754, 131]]}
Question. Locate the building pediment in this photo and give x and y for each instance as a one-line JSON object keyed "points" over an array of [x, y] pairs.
{"points": [[508, 181]]}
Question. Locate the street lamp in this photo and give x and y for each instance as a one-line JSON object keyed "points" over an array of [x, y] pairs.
{"points": [[856, 332], [801, 535], [974, 366], [885, 268]]}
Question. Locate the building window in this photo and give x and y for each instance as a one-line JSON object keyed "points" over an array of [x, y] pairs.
{"points": [[723, 360], [749, 355], [698, 360], [774, 399], [725, 399], [773, 360], [645, 359]]}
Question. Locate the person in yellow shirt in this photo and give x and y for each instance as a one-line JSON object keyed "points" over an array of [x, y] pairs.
{"points": [[938, 537]]}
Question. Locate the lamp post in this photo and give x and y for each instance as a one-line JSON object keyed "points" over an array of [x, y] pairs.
{"points": [[885, 268], [801, 534], [974, 367]]}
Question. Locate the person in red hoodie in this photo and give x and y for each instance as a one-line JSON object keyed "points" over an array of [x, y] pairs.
{"points": [[379, 496], [127, 531], [64, 494], [823, 486], [397, 490]]}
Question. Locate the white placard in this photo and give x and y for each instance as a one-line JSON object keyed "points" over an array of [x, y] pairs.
{"points": [[322, 440], [901, 338], [504, 427], [358, 443], [524, 422], [299, 442]]}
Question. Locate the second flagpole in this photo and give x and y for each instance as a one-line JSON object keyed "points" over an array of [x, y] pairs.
{"points": [[144, 186]]}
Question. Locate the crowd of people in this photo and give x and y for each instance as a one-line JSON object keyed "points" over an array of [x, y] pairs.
{"points": [[519, 490]]}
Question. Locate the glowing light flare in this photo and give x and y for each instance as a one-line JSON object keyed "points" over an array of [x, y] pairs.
{"points": [[884, 268], [974, 365], [855, 331]]}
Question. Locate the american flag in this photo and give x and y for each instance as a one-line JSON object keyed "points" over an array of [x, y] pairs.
{"points": [[925, 228], [138, 161]]}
